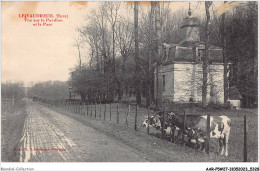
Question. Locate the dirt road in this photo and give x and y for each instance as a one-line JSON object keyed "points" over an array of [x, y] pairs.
{"points": [[49, 136], [39, 132]]}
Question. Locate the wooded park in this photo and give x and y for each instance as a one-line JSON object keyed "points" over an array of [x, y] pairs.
{"points": [[122, 45]]}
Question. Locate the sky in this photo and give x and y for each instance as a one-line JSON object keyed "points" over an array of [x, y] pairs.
{"points": [[40, 53]]}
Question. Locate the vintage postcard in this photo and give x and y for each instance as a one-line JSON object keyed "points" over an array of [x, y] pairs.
{"points": [[129, 81]]}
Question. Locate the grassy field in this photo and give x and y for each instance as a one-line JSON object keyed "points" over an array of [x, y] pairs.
{"points": [[236, 137], [12, 122], [6, 103]]}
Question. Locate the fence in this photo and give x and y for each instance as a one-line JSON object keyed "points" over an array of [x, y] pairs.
{"points": [[238, 137], [238, 140], [7, 103], [114, 112], [133, 116]]}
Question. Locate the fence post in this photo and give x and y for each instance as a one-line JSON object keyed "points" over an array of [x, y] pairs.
{"points": [[117, 114], [128, 112], [110, 112], [136, 117], [75, 108], [95, 109], [105, 111], [91, 109], [79, 107], [83, 108], [100, 109], [245, 140], [208, 133], [87, 108], [163, 123], [184, 125], [148, 114]]}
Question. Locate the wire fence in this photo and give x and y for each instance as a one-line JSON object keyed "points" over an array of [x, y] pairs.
{"points": [[7, 103], [133, 117]]}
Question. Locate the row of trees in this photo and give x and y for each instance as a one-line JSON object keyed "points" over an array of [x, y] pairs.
{"points": [[122, 49], [123, 42], [52, 90], [12, 90], [241, 33]]}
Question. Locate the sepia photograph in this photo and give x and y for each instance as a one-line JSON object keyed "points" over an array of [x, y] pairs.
{"points": [[86, 82]]}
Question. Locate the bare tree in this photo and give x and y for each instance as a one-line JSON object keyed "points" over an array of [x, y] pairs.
{"points": [[111, 11], [205, 60], [77, 44], [99, 17], [151, 40], [92, 37], [224, 42], [124, 42], [158, 49], [137, 58]]}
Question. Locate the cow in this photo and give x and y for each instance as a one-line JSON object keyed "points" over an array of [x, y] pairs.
{"points": [[196, 130], [196, 139], [154, 121], [219, 129], [171, 126], [169, 130], [177, 122]]}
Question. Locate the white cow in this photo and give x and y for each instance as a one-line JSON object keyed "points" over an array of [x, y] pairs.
{"points": [[219, 128], [154, 122]]}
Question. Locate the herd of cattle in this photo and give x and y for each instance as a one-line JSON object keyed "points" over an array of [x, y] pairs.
{"points": [[194, 131]]}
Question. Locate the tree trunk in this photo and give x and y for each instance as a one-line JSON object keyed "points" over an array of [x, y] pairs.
{"points": [[83, 96], [223, 40], [113, 64], [79, 57], [206, 56], [137, 59], [158, 51], [123, 81], [150, 53]]}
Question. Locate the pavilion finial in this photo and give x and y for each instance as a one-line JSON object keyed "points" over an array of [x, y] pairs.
{"points": [[189, 12]]}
